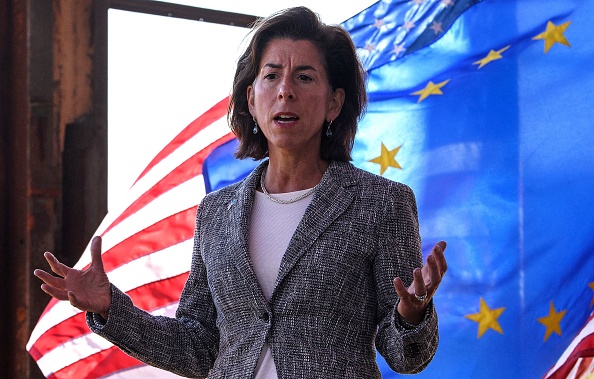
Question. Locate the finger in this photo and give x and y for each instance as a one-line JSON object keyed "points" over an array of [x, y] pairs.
{"points": [[49, 279], [438, 254], [96, 260], [54, 292], [439, 247], [56, 266], [419, 283], [400, 288], [434, 274], [74, 301]]}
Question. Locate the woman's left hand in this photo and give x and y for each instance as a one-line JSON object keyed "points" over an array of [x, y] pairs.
{"points": [[414, 300]]}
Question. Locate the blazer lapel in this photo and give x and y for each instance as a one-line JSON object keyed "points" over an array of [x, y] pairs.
{"points": [[240, 208], [333, 196]]}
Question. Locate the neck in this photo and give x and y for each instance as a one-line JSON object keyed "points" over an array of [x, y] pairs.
{"points": [[293, 175]]}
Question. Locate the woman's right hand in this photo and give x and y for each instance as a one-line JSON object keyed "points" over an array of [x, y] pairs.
{"points": [[88, 290]]}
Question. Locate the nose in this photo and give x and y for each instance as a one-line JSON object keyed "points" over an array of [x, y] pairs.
{"points": [[286, 91]]}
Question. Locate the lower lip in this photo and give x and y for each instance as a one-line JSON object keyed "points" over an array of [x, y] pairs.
{"points": [[285, 123]]}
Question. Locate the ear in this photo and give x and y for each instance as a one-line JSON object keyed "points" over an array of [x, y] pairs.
{"points": [[336, 101], [250, 99]]}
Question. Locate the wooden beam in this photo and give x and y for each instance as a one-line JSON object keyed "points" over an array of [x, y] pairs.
{"points": [[161, 8]]}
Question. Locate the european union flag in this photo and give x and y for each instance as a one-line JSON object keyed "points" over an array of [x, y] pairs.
{"points": [[490, 123], [485, 109]]}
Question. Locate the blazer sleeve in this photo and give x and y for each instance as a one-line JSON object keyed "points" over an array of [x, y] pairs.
{"points": [[186, 345], [406, 348]]}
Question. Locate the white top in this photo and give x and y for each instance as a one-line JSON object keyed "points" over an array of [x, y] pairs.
{"points": [[271, 227]]}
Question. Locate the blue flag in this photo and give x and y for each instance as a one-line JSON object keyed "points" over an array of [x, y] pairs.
{"points": [[486, 109]]}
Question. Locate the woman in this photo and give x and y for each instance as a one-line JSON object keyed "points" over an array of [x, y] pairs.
{"points": [[300, 270]]}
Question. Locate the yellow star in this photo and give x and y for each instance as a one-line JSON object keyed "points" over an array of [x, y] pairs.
{"points": [[436, 27], [369, 47], [552, 321], [398, 49], [592, 287], [387, 159], [430, 89], [553, 33], [408, 25], [487, 318], [492, 56]]}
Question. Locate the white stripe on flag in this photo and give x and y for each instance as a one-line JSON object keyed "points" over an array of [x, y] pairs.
{"points": [[181, 193], [83, 347], [161, 265], [180, 198], [201, 140], [167, 263], [585, 332]]}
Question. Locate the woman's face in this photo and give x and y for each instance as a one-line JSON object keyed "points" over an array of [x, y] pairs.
{"points": [[291, 98]]}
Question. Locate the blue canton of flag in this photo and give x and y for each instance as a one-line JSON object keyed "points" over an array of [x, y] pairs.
{"points": [[484, 108]]}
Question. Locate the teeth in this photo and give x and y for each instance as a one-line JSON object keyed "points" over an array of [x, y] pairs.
{"points": [[286, 118]]}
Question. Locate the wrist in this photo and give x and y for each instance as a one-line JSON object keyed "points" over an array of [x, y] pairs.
{"points": [[410, 317]]}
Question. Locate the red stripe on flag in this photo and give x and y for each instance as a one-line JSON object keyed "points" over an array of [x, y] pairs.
{"points": [[98, 365], [199, 124], [150, 296], [191, 168], [170, 231], [585, 366], [161, 235], [68, 329], [583, 349], [210, 116]]}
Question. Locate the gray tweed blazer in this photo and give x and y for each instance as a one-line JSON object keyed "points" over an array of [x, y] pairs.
{"points": [[333, 302]]}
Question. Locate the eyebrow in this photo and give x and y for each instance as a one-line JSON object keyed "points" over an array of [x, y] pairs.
{"points": [[298, 68]]}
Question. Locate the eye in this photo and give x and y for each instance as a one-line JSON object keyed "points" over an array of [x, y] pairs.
{"points": [[270, 76], [304, 78]]}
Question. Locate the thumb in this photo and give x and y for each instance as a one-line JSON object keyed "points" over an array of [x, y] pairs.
{"points": [[96, 259], [74, 301]]}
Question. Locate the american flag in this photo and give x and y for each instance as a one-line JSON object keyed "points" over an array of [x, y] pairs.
{"points": [[146, 251], [577, 362]]}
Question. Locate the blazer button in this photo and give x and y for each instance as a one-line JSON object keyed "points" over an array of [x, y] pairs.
{"points": [[265, 317]]}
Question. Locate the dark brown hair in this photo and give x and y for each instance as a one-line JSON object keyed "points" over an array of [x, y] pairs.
{"points": [[342, 66]]}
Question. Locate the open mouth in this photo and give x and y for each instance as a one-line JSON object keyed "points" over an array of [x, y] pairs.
{"points": [[285, 119]]}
